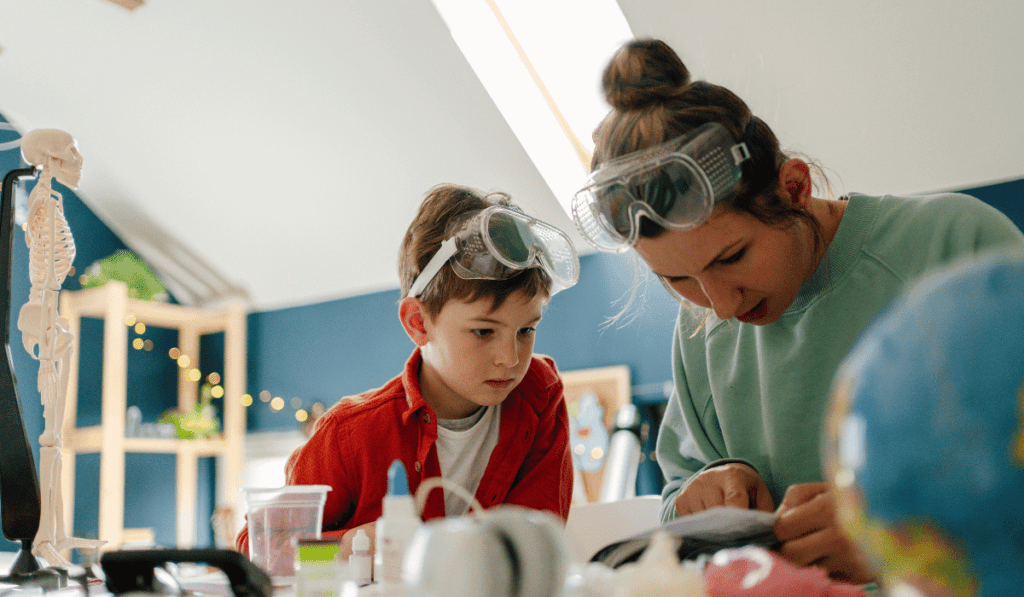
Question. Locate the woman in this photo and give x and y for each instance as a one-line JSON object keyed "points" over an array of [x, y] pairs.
{"points": [[776, 285]]}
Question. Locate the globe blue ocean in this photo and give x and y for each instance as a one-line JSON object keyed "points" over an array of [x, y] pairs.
{"points": [[928, 421]]}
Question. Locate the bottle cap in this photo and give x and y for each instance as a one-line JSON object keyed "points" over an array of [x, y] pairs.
{"points": [[361, 542], [398, 483]]}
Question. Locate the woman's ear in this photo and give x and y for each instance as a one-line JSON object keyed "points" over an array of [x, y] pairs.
{"points": [[795, 182], [410, 311]]}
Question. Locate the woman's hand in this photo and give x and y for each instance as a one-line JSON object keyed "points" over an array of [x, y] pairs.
{"points": [[811, 534], [732, 484]]}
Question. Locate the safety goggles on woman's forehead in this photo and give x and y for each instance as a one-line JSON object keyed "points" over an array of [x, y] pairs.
{"points": [[675, 184], [500, 242]]}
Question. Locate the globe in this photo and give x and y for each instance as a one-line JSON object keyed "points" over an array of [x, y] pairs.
{"points": [[926, 428]]}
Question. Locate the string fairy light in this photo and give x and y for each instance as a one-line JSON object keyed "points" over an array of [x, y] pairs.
{"points": [[212, 387]]}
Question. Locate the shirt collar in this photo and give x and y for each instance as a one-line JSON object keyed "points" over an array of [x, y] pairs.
{"points": [[411, 383]]}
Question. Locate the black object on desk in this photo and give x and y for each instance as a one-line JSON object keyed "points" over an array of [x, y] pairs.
{"points": [[20, 503], [136, 570], [698, 534]]}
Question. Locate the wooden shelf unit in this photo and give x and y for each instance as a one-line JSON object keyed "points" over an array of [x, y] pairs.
{"points": [[111, 304]]}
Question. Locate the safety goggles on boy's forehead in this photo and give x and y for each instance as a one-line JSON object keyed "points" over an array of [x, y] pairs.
{"points": [[500, 242], [675, 184]]}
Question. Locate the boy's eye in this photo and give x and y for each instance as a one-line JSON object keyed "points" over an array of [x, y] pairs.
{"points": [[483, 332], [527, 331]]}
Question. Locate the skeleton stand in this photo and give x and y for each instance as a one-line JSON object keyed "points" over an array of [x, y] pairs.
{"points": [[19, 484]]}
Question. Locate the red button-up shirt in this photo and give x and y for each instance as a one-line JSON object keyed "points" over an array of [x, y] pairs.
{"points": [[356, 440]]}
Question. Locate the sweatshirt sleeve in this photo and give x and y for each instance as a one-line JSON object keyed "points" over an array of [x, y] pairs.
{"points": [[678, 454], [690, 438]]}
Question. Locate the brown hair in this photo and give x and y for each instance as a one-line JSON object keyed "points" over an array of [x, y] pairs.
{"points": [[653, 100], [443, 205]]}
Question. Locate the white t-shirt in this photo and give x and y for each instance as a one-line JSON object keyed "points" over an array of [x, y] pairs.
{"points": [[464, 447]]}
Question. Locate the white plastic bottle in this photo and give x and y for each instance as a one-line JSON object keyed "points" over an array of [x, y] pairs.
{"points": [[360, 563], [394, 528]]}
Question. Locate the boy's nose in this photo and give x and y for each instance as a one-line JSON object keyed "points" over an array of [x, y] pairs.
{"points": [[507, 353]]}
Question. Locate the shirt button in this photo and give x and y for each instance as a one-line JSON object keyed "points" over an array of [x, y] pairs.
{"points": [[426, 418], [417, 466]]}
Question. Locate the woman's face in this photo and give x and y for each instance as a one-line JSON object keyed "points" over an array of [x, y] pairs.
{"points": [[734, 264]]}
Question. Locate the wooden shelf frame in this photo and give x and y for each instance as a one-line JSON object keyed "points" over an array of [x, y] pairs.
{"points": [[111, 304], [613, 390]]}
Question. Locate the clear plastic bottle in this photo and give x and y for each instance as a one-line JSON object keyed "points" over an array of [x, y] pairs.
{"points": [[394, 528]]}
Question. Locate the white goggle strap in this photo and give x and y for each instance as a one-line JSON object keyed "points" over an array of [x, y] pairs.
{"points": [[433, 266]]}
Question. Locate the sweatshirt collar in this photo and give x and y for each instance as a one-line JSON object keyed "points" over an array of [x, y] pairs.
{"points": [[842, 252]]}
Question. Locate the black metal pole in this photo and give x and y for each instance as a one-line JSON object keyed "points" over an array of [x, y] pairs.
{"points": [[20, 503]]}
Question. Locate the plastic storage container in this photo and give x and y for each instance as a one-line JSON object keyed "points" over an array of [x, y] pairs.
{"points": [[277, 518]]}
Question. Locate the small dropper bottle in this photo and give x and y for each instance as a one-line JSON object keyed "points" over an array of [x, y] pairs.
{"points": [[395, 527], [360, 563]]}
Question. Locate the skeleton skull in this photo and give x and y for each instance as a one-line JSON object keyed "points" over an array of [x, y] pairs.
{"points": [[40, 145]]}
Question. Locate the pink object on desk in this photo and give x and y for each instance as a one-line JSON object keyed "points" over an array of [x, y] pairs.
{"points": [[756, 572]]}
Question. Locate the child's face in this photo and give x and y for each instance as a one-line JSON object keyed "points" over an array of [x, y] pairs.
{"points": [[474, 356]]}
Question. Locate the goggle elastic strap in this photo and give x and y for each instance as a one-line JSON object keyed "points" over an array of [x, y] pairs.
{"points": [[740, 153], [444, 253]]}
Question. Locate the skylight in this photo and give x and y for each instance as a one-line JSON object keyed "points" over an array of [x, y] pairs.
{"points": [[541, 63]]}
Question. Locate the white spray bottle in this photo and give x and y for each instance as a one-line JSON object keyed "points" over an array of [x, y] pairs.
{"points": [[394, 528]]}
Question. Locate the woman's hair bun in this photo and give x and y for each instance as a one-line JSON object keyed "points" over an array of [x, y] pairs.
{"points": [[643, 72]]}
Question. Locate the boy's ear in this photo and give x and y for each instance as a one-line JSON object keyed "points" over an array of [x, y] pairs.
{"points": [[410, 311], [795, 182]]}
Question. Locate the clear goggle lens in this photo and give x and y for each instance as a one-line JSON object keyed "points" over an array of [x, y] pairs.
{"points": [[675, 184], [501, 242]]}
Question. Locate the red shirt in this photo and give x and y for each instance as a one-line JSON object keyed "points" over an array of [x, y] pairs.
{"points": [[356, 440]]}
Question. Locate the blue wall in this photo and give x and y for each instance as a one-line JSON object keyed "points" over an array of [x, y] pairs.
{"points": [[321, 352]]}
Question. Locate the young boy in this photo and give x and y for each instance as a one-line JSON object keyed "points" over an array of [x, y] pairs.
{"points": [[473, 403]]}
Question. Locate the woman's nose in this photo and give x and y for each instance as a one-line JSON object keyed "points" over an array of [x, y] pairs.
{"points": [[725, 298]]}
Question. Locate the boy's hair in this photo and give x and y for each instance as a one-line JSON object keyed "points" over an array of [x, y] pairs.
{"points": [[442, 206]]}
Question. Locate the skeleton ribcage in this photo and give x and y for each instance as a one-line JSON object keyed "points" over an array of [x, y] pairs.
{"points": [[45, 252]]}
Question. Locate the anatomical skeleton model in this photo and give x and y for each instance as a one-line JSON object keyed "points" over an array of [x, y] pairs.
{"points": [[45, 333]]}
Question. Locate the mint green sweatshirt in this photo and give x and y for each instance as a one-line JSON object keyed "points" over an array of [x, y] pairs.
{"points": [[760, 394]]}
